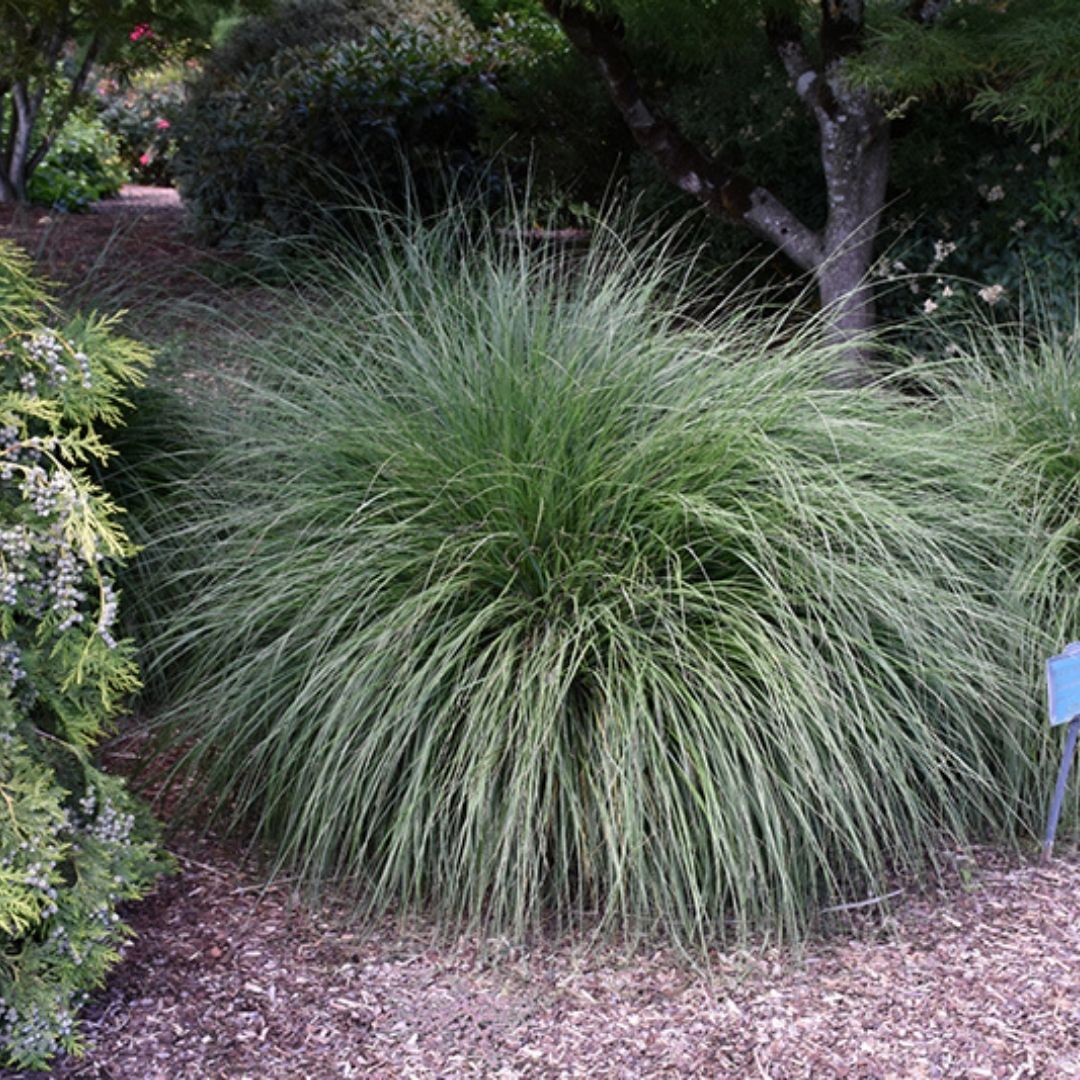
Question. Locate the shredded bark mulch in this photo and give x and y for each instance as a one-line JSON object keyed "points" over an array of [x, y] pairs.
{"points": [[140, 231], [230, 981]]}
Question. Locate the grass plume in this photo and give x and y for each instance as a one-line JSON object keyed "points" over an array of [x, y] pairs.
{"points": [[507, 588]]}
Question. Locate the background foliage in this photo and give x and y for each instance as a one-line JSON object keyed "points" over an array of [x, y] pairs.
{"points": [[140, 113], [291, 24], [272, 142], [83, 165], [992, 188]]}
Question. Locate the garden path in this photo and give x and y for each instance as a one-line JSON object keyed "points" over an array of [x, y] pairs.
{"points": [[139, 230]]}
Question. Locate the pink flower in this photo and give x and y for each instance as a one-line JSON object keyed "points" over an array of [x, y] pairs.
{"points": [[163, 124], [140, 31], [144, 159]]}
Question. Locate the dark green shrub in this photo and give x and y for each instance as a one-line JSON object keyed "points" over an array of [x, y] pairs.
{"points": [[982, 213], [274, 147], [507, 590], [486, 13], [302, 24], [83, 165], [550, 122], [73, 843]]}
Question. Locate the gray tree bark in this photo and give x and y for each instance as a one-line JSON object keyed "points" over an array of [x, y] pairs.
{"points": [[853, 138], [25, 108], [854, 146]]}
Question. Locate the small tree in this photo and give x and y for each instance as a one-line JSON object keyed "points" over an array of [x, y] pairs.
{"points": [[867, 61], [48, 50]]}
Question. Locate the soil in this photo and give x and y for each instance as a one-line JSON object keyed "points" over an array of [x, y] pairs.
{"points": [[228, 979], [141, 231]]}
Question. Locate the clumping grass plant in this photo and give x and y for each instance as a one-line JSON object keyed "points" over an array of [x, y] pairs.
{"points": [[1015, 385], [507, 589]]}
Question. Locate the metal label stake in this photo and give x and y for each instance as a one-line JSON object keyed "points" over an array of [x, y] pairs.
{"points": [[1063, 687]]}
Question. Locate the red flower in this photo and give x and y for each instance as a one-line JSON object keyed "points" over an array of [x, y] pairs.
{"points": [[140, 31], [144, 159], [163, 124]]}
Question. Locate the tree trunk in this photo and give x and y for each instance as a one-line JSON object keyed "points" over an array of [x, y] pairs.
{"points": [[855, 158], [78, 84], [854, 146], [853, 135], [38, 49], [26, 107]]}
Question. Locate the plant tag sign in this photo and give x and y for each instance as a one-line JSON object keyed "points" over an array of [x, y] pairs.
{"points": [[1063, 684]]}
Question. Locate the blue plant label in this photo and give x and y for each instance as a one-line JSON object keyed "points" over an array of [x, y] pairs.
{"points": [[1063, 684]]}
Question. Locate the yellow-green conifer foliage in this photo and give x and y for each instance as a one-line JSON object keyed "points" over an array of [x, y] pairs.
{"points": [[73, 842]]}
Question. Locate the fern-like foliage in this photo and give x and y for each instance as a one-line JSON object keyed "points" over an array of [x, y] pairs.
{"points": [[1015, 61]]}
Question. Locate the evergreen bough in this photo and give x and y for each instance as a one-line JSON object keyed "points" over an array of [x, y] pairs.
{"points": [[73, 842]]}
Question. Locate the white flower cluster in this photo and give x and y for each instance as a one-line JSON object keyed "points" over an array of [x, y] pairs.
{"points": [[46, 347], [41, 570], [109, 825], [38, 1032], [11, 665]]}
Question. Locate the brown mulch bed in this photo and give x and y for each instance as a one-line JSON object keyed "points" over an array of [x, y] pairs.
{"points": [[141, 231], [227, 981]]}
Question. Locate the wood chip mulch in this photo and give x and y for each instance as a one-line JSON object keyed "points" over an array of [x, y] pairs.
{"points": [[139, 231], [229, 981]]}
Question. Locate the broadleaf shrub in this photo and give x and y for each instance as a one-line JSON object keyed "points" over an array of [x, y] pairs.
{"points": [[289, 24], [140, 114], [269, 144], [83, 165], [486, 13], [506, 590], [73, 843]]}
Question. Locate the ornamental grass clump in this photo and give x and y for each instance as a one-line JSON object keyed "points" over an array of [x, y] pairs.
{"points": [[73, 843], [512, 591], [1015, 385]]}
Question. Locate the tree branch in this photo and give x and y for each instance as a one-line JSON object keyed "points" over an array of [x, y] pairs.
{"points": [[719, 189], [74, 92], [22, 126], [786, 38]]}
